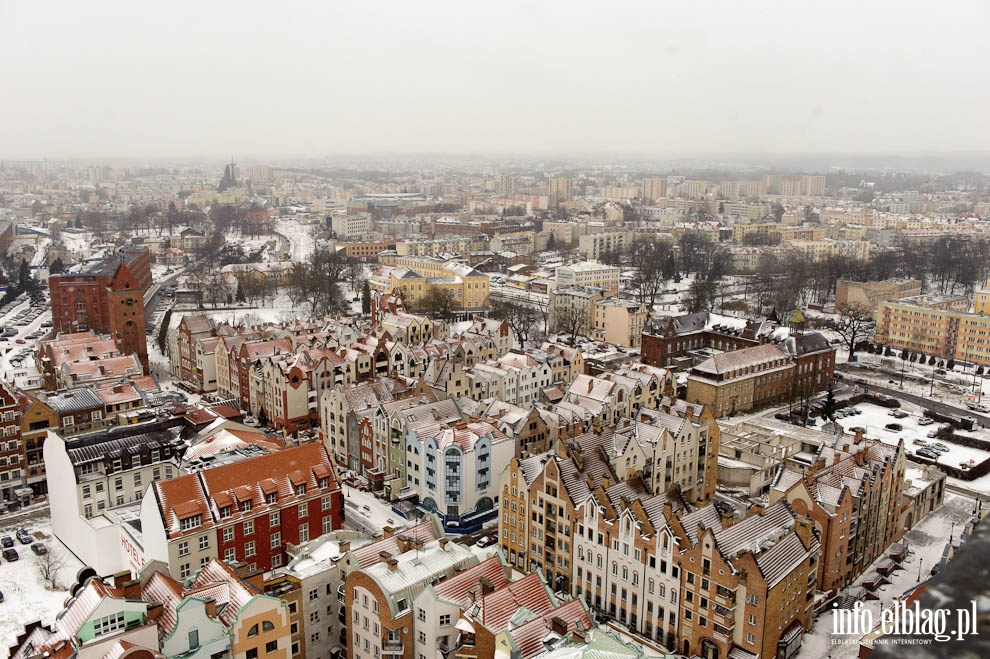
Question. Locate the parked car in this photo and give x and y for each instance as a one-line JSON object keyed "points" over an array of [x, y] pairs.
{"points": [[920, 442], [894, 427], [486, 541], [925, 421], [6, 541], [926, 453], [899, 414], [39, 548], [781, 416], [932, 433], [11, 554], [939, 371], [939, 446], [25, 536]]}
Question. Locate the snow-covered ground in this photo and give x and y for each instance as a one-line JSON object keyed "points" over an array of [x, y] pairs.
{"points": [[26, 595], [875, 418], [927, 541], [301, 239], [365, 512]]}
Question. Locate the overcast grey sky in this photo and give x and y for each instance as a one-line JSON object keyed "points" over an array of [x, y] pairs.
{"points": [[255, 79]]}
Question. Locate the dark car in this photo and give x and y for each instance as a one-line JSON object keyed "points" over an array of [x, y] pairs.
{"points": [[782, 416], [11, 554], [6, 541], [894, 427], [25, 536], [39, 548], [927, 453], [486, 541]]}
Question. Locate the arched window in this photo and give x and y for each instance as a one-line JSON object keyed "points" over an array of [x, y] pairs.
{"points": [[267, 626], [253, 631]]}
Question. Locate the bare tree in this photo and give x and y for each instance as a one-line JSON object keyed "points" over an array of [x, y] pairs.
{"points": [[49, 565], [854, 325], [522, 318], [570, 319], [438, 303]]}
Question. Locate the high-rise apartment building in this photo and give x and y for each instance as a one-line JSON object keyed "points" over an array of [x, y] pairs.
{"points": [[559, 190], [507, 184], [654, 188]]}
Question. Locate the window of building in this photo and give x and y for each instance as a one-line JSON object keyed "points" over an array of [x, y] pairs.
{"points": [[249, 549], [107, 624]]}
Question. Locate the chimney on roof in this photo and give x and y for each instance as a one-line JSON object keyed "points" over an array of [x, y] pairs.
{"points": [[605, 481], [403, 542], [486, 585], [579, 636], [211, 607], [558, 626], [417, 544], [755, 509], [858, 434], [443, 543], [345, 545], [384, 556], [388, 531], [728, 519], [804, 528], [393, 565]]}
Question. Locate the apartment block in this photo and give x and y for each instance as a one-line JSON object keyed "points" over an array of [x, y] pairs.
{"points": [[937, 325]]}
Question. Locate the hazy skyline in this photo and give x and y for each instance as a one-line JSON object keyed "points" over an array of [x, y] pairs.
{"points": [[132, 80]]}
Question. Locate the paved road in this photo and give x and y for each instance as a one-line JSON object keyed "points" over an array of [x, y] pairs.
{"points": [[12, 521], [928, 403]]}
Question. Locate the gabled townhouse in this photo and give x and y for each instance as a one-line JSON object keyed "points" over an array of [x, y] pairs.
{"points": [[75, 348], [95, 621], [747, 586], [36, 418], [438, 607], [854, 497], [571, 361], [341, 409], [521, 619], [182, 353], [216, 613], [625, 557]]}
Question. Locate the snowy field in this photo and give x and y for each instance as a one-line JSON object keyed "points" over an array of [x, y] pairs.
{"points": [[26, 595], [875, 419], [927, 541]]}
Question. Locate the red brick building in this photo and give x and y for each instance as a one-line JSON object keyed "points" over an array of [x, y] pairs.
{"points": [[11, 463], [247, 511], [107, 297]]}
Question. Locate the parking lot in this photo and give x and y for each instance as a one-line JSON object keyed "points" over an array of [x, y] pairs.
{"points": [[875, 420]]}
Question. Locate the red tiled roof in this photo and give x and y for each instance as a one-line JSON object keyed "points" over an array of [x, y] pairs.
{"points": [[457, 589], [176, 495]]}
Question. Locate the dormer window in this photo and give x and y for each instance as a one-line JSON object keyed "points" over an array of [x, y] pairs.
{"points": [[193, 522], [225, 512], [324, 482], [245, 505], [271, 497], [301, 489]]}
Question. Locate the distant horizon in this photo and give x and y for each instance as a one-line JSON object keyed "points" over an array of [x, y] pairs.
{"points": [[821, 162]]}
